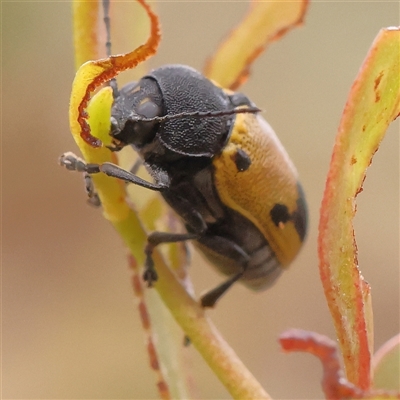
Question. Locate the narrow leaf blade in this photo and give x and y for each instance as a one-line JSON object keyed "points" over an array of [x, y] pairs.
{"points": [[265, 22], [373, 103]]}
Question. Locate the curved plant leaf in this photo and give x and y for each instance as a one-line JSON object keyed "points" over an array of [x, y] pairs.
{"points": [[373, 103], [187, 311], [265, 22], [386, 365]]}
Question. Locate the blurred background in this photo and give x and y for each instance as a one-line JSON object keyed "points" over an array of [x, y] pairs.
{"points": [[70, 323]]}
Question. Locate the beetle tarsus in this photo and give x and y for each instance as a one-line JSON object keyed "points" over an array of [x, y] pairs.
{"points": [[72, 162], [150, 274], [186, 341], [93, 197]]}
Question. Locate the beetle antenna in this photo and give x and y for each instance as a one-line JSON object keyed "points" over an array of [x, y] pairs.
{"points": [[106, 10], [201, 114]]}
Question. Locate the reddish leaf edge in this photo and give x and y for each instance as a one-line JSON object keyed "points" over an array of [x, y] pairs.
{"points": [[244, 75], [112, 66], [351, 308], [334, 383], [138, 290], [245, 72]]}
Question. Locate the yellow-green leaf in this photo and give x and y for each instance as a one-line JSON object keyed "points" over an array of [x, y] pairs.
{"points": [[266, 21], [186, 310], [85, 20], [373, 103], [91, 75], [386, 365]]}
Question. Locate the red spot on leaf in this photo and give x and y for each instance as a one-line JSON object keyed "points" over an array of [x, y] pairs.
{"points": [[376, 85], [163, 390], [144, 315], [137, 285], [132, 262], [153, 356], [378, 80]]}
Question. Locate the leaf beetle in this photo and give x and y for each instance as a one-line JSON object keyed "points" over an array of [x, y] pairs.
{"points": [[219, 166], [217, 163]]}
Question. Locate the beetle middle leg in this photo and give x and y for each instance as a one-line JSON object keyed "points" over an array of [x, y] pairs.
{"points": [[191, 217], [153, 240]]}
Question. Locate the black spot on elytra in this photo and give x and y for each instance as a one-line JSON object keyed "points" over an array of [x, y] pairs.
{"points": [[279, 214], [242, 160], [299, 217]]}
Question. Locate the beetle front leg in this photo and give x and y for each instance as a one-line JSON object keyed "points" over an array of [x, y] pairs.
{"points": [[93, 197], [75, 163]]}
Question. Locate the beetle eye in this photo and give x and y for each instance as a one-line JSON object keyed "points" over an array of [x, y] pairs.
{"points": [[114, 126], [148, 109]]}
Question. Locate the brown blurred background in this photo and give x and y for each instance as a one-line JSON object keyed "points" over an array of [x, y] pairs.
{"points": [[70, 327]]}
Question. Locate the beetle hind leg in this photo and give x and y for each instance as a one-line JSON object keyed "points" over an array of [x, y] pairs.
{"points": [[209, 299], [237, 254]]}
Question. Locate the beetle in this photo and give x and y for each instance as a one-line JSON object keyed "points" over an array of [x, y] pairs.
{"points": [[219, 165]]}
